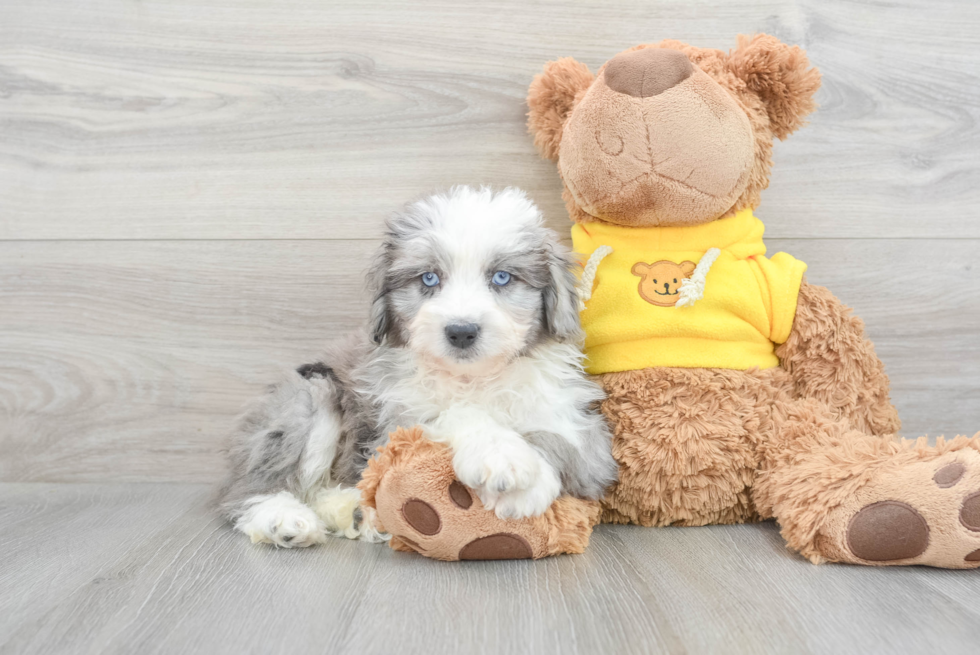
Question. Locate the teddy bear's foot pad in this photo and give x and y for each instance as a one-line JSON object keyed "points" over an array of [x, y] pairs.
{"points": [[926, 511], [497, 546], [422, 516], [887, 530]]}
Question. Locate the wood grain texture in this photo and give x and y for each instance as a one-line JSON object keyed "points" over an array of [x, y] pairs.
{"points": [[129, 360], [314, 119], [148, 569], [189, 195], [206, 135]]}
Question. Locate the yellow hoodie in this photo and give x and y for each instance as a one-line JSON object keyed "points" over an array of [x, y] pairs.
{"points": [[631, 321]]}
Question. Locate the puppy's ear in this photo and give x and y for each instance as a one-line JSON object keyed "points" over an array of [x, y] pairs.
{"points": [[780, 75], [380, 324], [561, 297], [380, 320], [551, 99]]}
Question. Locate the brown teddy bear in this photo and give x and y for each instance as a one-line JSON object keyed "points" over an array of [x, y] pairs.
{"points": [[737, 390]]}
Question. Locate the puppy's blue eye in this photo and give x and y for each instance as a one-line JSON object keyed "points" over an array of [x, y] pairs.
{"points": [[500, 278], [430, 279]]}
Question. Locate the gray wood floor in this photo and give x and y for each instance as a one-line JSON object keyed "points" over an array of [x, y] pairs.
{"points": [[189, 195], [146, 568]]}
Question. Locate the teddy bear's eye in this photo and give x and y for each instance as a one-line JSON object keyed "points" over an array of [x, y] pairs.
{"points": [[654, 281], [675, 280]]}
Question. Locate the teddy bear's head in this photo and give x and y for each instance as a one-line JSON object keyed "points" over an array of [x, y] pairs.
{"points": [[669, 134]]}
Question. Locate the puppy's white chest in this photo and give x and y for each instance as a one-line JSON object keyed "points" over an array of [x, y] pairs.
{"points": [[498, 397]]}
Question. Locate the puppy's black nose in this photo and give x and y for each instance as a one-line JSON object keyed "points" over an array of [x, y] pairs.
{"points": [[462, 335]]}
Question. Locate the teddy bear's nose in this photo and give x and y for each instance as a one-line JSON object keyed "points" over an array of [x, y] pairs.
{"points": [[647, 72]]}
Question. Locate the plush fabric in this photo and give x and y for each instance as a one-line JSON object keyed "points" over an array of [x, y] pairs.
{"points": [[632, 160], [632, 321], [556, 93], [412, 487], [645, 73], [665, 162], [811, 442]]}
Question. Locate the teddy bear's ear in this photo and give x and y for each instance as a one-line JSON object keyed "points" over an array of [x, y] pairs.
{"points": [[551, 99], [780, 75]]}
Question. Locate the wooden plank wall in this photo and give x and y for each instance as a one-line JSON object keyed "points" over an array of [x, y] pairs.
{"points": [[190, 191]]}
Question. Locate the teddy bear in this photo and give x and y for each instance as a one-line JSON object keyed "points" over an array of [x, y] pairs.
{"points": [[737, 391]]}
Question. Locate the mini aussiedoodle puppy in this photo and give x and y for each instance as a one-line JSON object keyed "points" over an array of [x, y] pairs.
{"points": [[474, 334]]}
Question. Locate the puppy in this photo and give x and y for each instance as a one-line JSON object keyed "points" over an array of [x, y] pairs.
{"points": [[474, 334]]}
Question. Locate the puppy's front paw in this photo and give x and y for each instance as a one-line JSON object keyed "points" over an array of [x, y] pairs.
{"points": [[497, 467], [342, 514], [532, 501], [510, 469], [281, 520]]}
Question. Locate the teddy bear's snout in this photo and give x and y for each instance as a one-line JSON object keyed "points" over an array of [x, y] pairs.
{"points": [[647, 72]]}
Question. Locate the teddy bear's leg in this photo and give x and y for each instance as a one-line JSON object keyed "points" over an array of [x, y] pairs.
{"points": [[845, 496], [412, 486], [842, 372], [682, 438]]}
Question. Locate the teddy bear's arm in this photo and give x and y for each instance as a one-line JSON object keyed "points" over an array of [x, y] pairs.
{"points": [[832, 361], [412, 486]]}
